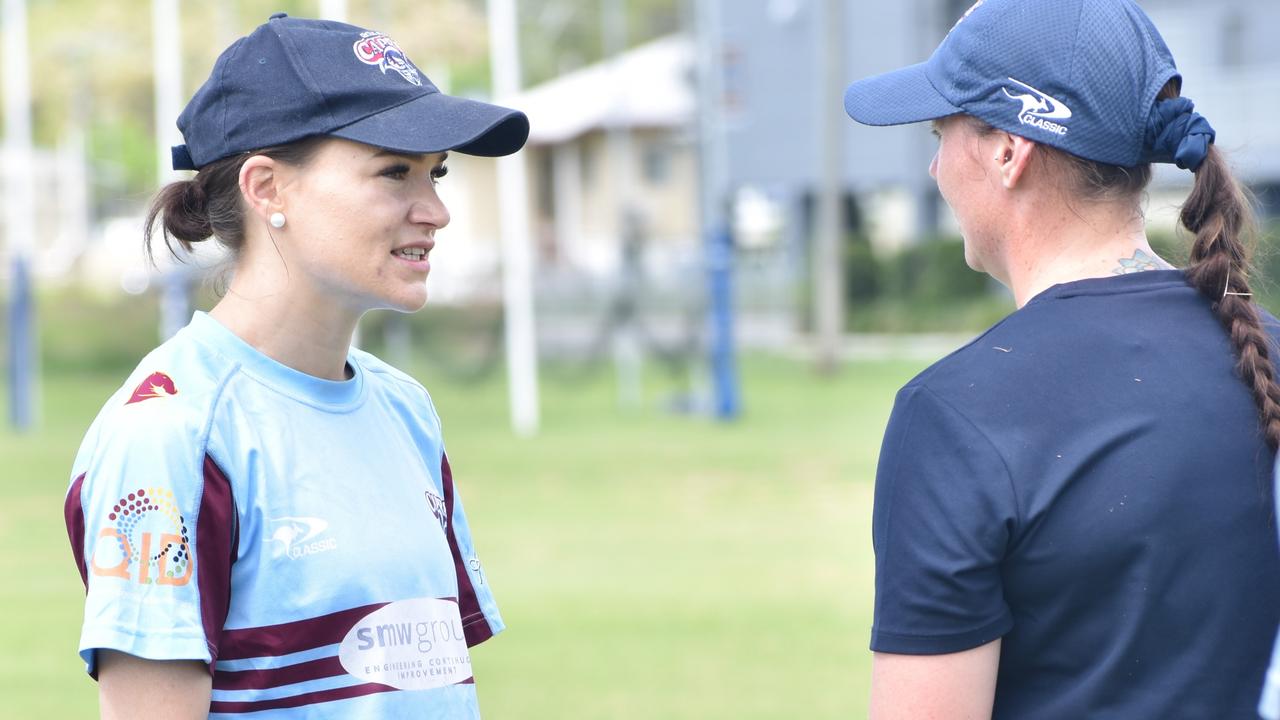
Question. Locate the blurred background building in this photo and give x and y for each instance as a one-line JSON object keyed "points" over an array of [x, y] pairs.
{"points": [[613, 157]]}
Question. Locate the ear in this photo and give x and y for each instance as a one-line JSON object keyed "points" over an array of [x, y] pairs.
{"points": [[1013, 155], [260, 186]]}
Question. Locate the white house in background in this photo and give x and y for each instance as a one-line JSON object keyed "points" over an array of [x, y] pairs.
{"points": [[603, 139], [613, 138]]}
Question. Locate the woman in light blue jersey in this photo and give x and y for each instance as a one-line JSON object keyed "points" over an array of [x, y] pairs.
{"points": [[265, 519]]}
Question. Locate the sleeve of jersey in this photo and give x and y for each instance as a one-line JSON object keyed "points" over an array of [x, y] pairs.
{"points": [[480, 618], [151, 522], [943, 515]]}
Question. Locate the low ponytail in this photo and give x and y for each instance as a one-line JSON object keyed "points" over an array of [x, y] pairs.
{"points": [[1219, 214], [183, 207], [209, 205]]}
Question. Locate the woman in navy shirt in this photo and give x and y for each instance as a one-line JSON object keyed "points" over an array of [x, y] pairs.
{"points": [[1071, 514]]}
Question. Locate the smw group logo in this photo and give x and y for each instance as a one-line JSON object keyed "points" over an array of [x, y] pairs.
{"points": [[295, 537], [414, 644], [146, 543]]}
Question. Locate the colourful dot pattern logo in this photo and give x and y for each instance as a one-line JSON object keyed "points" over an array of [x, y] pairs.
{"points": [[150, 537]]}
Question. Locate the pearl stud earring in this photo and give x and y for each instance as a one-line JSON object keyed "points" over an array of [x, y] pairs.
{"points": [[277, 220]]}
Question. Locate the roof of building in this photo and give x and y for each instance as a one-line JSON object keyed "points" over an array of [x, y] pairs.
{"points": [[648, 86]]}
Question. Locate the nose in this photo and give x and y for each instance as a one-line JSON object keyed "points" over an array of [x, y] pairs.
{"points": [[429, 209], [933, 166]]}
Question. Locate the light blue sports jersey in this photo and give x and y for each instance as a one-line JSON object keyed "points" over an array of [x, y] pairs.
{"points": [[303, 536]]}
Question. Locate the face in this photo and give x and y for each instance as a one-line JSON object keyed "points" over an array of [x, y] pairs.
{"points": [[970, 187], [361, 223]]}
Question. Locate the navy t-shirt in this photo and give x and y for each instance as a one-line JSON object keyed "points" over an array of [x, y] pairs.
{"points": [[1087, 480]]}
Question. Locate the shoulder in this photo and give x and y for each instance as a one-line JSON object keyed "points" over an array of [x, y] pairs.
{"points": [[387, 379], [162, 411]]}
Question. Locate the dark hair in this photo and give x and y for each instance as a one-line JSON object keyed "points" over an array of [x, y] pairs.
{"points": [[1219, 214], [209, 205]]}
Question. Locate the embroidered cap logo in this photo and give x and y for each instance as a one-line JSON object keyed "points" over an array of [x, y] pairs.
{"points": [[375, 48], [1038, 109]]}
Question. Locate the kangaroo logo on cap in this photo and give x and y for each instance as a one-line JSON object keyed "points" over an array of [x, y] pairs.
{"points": [[1038, 109], [375, 48]]}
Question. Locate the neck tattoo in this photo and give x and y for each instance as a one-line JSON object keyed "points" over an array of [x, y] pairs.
{"points": [[1140, 262]]}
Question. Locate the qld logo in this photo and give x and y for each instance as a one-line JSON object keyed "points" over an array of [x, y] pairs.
{"points": [[295, 537], [1038, 109], [157, 385], [148, 542], [374, 48]]}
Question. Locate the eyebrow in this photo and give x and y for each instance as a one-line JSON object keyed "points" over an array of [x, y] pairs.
{"points": [[408, 156]]}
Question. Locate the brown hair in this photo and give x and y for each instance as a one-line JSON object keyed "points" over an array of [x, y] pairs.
{"points": [[209, 204], [1219, 214]]}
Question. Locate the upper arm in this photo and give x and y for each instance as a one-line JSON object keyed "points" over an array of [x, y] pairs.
{"points": [[955, 686], [944, 518], [152, 524], [130, 687]]}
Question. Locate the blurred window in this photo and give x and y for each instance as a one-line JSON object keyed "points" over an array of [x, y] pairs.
{"points": [[657, 164]]}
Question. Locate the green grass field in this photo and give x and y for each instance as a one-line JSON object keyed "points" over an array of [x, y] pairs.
{"points": [[648, 565]]}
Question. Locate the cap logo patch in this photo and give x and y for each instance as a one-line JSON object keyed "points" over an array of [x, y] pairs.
{"points": [[1038, 109], [157, 385], [375, 48]]}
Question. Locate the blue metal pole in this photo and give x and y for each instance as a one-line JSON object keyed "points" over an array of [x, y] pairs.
{"points": [[21, 346], [724, 367]]}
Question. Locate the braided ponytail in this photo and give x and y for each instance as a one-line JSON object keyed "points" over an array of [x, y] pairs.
{"points": [[1218, 212]]}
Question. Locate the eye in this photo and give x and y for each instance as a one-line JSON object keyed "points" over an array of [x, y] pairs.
{"points": [[396, 172], [936, 134], [438, 172]]}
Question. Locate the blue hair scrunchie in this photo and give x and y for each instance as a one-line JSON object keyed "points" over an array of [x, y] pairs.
{"points": [[1177, 134]]}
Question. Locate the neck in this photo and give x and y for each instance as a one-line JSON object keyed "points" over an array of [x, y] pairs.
{"points": [[1051, 245], [293, 325]]}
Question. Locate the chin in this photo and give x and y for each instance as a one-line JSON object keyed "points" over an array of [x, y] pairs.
{"points": [[407, 302], [410, 306], [972, 260]]}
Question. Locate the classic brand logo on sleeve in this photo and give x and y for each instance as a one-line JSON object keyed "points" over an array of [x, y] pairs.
{"points": [[157, 385], [410, 645], [374, 48], [148, 542], [1038, 109]]}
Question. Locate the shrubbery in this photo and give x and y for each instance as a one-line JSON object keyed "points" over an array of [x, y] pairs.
{"points": [[926, 287]]}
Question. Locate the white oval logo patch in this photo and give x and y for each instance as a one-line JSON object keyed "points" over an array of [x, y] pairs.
{"points": [[410, 645]]}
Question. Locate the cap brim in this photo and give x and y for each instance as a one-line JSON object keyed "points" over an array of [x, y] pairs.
{"points": [[896, 98], [439, 123]]}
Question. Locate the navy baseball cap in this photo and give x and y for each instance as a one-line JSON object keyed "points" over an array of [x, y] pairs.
{"points": [[1079, 75], [292, 78]]}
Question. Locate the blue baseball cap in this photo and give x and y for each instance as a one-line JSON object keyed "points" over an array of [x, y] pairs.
{"points": [[1079, 75], [293, 78]]}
